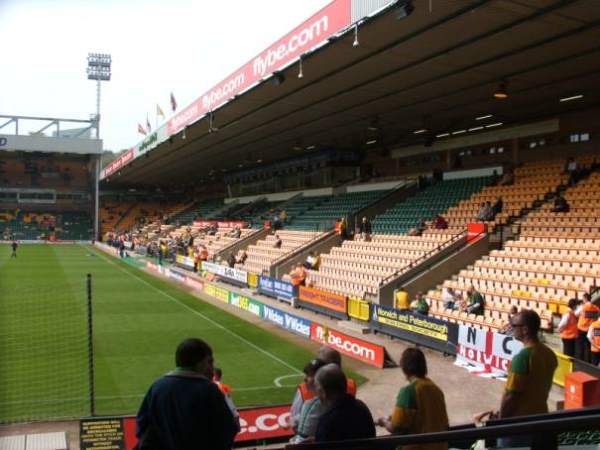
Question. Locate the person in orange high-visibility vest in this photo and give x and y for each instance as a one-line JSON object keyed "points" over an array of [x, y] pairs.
{"points": [[303, 394], [587, 313], [217, 375], [594, 338], [568, 328]]}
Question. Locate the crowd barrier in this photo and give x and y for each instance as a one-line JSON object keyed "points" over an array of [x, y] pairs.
{"points": [[323, 302], [281, 290]]}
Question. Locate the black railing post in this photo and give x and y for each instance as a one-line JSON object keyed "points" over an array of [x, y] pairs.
{"points": [[90, 347]]}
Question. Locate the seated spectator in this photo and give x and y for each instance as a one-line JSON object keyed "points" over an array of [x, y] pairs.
{"points": [[365, 229], [298, 275], [418, 230], [212, 230], [484, 212], [560, 205], [450, 298], [343, 228], [420, 305], [312, 409], [241, 257], [572, 169], [277, 243], [420, 406], [508, 329], [313, 261], [231, 260], [439, 223], [345, 417], [236, 233], [475, 302], [283, 216]]}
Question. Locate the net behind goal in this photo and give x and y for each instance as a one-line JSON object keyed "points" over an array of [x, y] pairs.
{"points": [[44, 352]]}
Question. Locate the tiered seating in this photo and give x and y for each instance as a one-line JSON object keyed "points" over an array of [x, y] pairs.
{"points": [[200, 211], [357, 268], [324, 216], [532, 182], [262, 254], [258, 213], [583, 216], [300, 206], [37, 225], [551, 262], [426, 204], [110, 214]]}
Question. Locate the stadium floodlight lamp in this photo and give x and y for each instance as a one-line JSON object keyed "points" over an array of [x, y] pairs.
{"points": [[99, 66]]}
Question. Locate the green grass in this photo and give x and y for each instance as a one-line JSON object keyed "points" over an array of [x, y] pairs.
{"points": [[138, 322]]}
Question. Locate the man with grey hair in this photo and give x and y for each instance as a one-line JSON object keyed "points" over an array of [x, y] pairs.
{"points": [[345, 417]]}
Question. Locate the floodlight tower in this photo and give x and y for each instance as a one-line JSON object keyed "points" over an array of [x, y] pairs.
{"points": [[98, 68]]}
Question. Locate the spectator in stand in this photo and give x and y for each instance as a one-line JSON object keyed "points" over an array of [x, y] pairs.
{"points": [[298, 275], [560, 204], [311, 408], [329, 356], [283, 217], [277, 243], [185, 410], [203, 253], [439, 223], [420, 305], [594, 339], [484, 212], [529, 377], [121, 249], [345, 417], [236, 233], [313, 261], [276, 222], [402, 301], [365, 229], [586, 313], [475, 301], [343, 227], [420, 406], [241, 257], [572, 169], [419, 229], [497, 207], [450, 298], [507, 328], [231, 260], [568, 328]]}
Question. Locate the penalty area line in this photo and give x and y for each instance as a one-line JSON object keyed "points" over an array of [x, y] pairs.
{"points": [[199, 314]]}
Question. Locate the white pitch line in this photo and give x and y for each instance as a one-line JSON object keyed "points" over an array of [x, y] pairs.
{"points": [[278, 380], [199, 314]]}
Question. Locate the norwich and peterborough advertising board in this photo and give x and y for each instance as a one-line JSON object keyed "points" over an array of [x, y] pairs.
{"points": [[418, 328]]}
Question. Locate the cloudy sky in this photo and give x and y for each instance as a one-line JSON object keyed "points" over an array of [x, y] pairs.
{"points": [[157, 46]]}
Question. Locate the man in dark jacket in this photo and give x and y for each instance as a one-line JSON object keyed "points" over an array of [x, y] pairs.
{"points": [[185, 410], [346, 417]]}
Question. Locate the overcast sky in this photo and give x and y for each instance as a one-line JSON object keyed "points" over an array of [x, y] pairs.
{"points": [[157, 46]]}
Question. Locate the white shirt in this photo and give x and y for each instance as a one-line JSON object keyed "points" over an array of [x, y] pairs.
{"points": [[447, 297]]}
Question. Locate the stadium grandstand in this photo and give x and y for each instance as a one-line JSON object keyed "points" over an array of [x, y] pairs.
{"points": [[416, 174]]}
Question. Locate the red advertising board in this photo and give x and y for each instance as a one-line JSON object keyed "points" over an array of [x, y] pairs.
{"points": [[324, 299], [356, 348], [220, 224], [121, 161], [256, 424], [328, 21]]}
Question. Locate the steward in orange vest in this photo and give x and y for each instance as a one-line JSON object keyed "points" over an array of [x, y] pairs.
{"points": [[568, 328], [587, 313], [594, 338]]}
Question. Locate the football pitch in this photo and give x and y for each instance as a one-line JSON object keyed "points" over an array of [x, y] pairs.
{"points": [[138, 321]]}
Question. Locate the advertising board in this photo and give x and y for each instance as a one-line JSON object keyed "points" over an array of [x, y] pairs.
{"points": [[217, 292], [272, 287], [434, 333], [290, 322], [226, 272], [185, 261], [356, 348], [324, 299], [246, 303]]}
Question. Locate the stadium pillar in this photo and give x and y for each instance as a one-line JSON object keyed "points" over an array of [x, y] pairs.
{"points": [[90, 347]]}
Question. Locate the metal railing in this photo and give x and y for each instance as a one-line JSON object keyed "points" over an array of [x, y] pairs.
{"points": [[543, 429]]}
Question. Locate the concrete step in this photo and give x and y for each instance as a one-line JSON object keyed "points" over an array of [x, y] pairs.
{"points": [[356, 327]]}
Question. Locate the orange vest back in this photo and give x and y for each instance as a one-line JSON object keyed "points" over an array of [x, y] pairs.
{"points": [[589, 313], [570, 331], [596, 335], [307, 395], [225, 388]]}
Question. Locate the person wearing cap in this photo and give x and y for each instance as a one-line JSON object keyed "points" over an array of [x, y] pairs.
{"points": [[312, 408], [303, 394]]}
